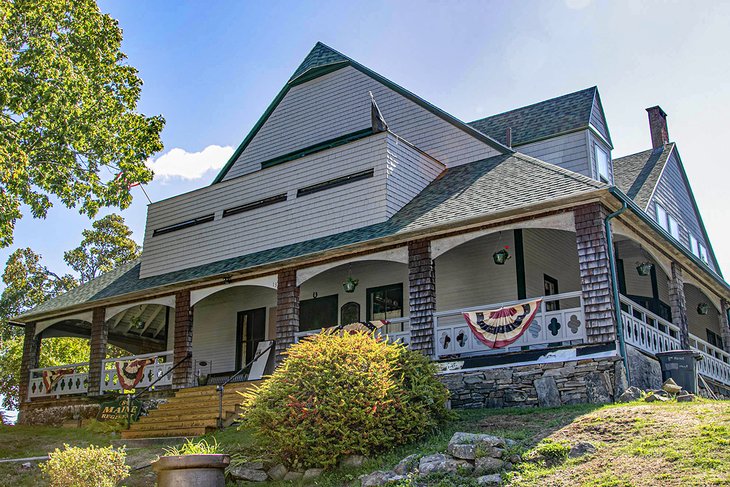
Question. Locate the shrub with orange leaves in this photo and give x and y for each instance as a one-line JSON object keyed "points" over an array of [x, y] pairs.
{"points": [[344, 394]]}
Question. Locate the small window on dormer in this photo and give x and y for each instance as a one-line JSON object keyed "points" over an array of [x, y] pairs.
{"points": [[694, 245], [602, 164], [703, 254], [673, 227], [661, 217]]}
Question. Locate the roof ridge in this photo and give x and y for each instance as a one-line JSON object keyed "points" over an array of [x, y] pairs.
{"points": [[561, 170], [646, 151], [595, 88]]}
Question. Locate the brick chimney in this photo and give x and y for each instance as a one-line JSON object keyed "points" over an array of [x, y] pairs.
{"points": [[658, 127]]}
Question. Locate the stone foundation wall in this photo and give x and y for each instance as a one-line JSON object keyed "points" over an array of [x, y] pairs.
{"points": [[644, 370], [547, 385]]}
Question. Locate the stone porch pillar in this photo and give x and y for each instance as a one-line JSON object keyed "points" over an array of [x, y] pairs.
{"points": [[595, 273], [725, 324], [422, 295], [287, 311], [98, 343], [679, 304], [31, 356], [182, 376]]}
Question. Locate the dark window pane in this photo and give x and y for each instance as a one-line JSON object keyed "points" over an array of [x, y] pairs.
{"points": [[318, 313]]}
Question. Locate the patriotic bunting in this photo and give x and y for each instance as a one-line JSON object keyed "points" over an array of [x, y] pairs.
{"points": [[501, 327], [131, 372], [51, 377]]}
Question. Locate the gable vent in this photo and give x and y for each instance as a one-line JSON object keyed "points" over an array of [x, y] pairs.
{"points": [[186, 224], [333, 183], [254, 205]]}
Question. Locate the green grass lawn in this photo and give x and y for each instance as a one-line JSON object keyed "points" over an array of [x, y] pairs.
{"points": [[638, 444]]}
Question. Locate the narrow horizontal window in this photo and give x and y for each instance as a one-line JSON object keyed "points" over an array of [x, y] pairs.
{"points": [[254, 204], [333, 183], [185, 224]]}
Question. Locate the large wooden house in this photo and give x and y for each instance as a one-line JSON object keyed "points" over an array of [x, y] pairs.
{"points": [[353, 199]]}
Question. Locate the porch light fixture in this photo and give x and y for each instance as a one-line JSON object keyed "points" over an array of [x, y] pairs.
{"points": [[350, 284], [501, 256], [703, 308], [644, 268]]}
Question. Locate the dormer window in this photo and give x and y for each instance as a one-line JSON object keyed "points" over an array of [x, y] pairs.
{"points": [[667, 221], [602, 164]]}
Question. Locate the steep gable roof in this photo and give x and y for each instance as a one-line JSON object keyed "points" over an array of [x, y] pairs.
{"points": [[461, 194], [638, 174], [321, 60], [563, 114]]}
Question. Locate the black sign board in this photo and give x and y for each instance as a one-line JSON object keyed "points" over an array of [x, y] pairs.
{"points": [[117, 410]]}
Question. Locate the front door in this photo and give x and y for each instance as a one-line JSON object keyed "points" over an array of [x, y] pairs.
{"points": [[251, 330]]}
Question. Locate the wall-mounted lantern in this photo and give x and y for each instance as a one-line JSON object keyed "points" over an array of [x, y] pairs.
{"points": [[501, 256], [350, 284], [703, 308], [644, 268]]}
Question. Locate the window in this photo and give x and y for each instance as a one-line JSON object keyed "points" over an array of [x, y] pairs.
{"points": [[602, 164], [694, 245], [673, 227], [385, 302], [703, 254], [349, 313], [714, 339], [318, 313], [661, 217], [551, 288]]}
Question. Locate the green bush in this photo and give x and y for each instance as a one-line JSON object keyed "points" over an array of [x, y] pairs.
{"points": [[552, 451], [343, 394], [201, 447], [84, 467]]}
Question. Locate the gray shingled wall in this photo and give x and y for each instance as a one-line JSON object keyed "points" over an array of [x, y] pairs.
{"points": [[98, 343], [725, 324], [678, 303], [31, 354], [422, 295], [595, 273], [287, 311], [182, 376]]}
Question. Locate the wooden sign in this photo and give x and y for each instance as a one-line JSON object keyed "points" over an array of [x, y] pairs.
{"points": [[117, 410]]}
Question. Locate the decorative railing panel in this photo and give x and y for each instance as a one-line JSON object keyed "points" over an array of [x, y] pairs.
{"points": [[76, 382], [397, 330], [163, 363], [559, 322], [715, 363]]}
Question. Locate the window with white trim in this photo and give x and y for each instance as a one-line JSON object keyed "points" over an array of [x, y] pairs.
{"points": [[673, 227], [602, 164], [661, 217], [703, 254], [694, 245]]}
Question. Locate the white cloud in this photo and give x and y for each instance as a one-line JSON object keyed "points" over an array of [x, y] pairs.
{"points": [[179, 163]]}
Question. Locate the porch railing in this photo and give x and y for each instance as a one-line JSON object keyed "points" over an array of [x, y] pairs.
{"points": [[397, 329], [163, 363], [651, 333], [559, 321], [76, 382]]}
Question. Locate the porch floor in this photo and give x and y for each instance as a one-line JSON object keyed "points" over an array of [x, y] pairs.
{"points": [[191, 412]]}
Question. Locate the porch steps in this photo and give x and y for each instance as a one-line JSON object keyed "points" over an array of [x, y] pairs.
{"points": [[190, 412]]}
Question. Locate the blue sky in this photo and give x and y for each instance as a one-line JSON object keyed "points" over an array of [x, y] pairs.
{"points": [[211, 68]]}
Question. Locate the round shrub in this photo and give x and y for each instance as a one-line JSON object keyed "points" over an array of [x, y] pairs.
{"points": [[76, 467], [344, 394]]}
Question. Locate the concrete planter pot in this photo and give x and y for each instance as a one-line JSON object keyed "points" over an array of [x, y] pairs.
{"points": [[192, 470]]}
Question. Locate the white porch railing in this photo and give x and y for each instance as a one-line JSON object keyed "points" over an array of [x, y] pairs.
{"points": [[74, 383], [565, 325], [653, 334], [163, 363], [397, 330]]}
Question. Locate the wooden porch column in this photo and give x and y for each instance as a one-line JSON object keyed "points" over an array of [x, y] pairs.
{"points": [[595, 273], [725, 324], [679, 305], [287, 311], [98, 343], [31, 355], [182, 376], [422, 295]]}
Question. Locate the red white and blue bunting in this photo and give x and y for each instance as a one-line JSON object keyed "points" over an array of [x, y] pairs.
{"points": [[500, 327], [131, 372]]}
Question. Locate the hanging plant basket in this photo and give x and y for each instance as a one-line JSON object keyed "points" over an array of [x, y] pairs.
{"points": [[644, 268], [350, 284], [703, 308], [501, 256]]}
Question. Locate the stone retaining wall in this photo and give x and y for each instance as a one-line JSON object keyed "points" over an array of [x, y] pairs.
{"points": [[548, 385]]}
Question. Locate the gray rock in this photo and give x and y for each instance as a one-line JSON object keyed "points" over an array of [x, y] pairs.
{"points": [[671, 387], [631, 394], [477, 439], [581, 448], [620, 379], [515, 459], [515, 395], [407, 465], [440, 463], [644, 370], [277, 472], [487, 465], [490, 480], [548, 395], [352, 461], [685, 398], [248, 474], [293, 476], [376, 479], [465, 452], [252, 465], [312, 473], [598, 388], [25, 465], [654, 397]]}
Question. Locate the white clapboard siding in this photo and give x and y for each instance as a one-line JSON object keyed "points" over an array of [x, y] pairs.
{"points": [[337, 104], [569, 151], [409, 172], [597, 120], [467, 275], [215, 320], [699, 324], [327, 212], [551, 252]]}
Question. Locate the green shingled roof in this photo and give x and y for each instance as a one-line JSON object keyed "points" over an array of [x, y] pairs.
{"points": [[638, 174], [319, 56], [462, 193], [542, 120]]}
